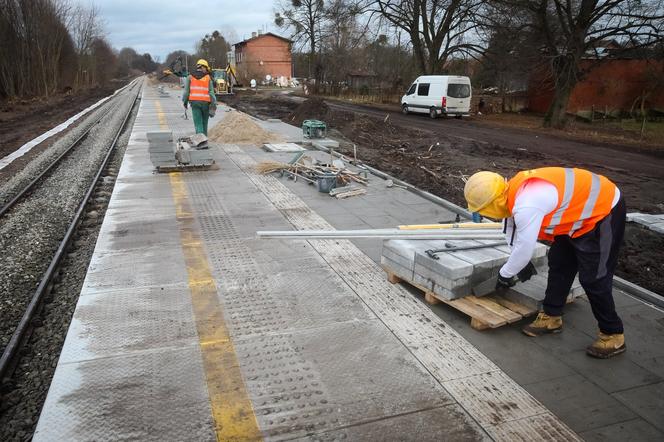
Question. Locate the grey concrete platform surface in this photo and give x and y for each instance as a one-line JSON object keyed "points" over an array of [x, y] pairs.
{"points": [[190, 328]]}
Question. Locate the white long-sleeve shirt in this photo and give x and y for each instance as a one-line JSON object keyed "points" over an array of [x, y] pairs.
{"points": [[534, 200]]}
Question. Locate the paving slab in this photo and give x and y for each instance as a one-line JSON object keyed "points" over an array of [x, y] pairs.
{"points": [[582, 404], [647, 401], [635, 429]]}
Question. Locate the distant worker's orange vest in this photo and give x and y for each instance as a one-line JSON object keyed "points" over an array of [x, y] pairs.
{"points": [[584, 199], [199, 90]]}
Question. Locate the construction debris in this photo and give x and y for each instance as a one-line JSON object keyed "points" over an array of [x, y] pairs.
{"points": [[325, 176]]}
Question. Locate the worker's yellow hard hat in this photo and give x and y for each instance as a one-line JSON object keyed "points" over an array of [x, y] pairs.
{"points": [[482, 188], [203, 62]]}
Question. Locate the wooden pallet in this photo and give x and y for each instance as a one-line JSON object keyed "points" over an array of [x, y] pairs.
{"points": [[490, 311]]}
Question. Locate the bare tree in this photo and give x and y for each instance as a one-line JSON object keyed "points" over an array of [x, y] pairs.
{"points": [[304, 18], [438, 29], [34, 39], [85, 27], [343, 35], [574, 30], [214, 48]]}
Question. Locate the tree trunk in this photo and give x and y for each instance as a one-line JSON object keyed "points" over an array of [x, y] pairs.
{"points": [[556, 115], [565, 77]]}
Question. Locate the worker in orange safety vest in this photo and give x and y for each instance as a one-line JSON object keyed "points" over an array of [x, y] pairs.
{"points": [[199, 91], [583, 215]]}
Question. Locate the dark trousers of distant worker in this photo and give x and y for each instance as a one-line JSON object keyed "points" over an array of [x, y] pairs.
{"points": [[200, 113], [594, 256]]}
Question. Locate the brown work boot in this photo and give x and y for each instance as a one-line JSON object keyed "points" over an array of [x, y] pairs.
{"points": [[607, 346], [544, 324]]}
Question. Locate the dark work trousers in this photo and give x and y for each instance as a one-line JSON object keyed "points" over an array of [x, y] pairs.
{"points": [[594, 256]]}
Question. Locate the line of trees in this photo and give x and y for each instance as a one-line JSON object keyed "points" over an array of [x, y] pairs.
{"points": [[506, 40], [50, 46], [213, 47]]}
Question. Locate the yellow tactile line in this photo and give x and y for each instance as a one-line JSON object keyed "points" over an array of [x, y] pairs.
{"points": [[232, 411], [161, 116]]}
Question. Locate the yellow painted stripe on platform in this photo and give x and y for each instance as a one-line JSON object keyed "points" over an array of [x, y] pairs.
{"points": [[163, 124], [232, 410]]}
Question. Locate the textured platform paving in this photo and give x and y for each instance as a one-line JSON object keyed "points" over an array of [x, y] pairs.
{"points": [[189, 328]]}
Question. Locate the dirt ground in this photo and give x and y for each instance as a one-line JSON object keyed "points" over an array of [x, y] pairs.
{"points": [[23, 120], [435, 155]]}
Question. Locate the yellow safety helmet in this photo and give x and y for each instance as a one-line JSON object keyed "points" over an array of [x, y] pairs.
{"points": [[203, 62], [482, 189]]}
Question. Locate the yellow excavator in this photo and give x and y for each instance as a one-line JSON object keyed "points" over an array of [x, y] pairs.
{"points": [[224, 79]]}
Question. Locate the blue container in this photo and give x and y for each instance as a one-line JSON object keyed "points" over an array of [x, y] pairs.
{"points": [[326, 182]]}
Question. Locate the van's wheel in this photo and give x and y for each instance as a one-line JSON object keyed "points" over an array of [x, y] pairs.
{"points": [[458, 117], [432, 113], [404, 109]]}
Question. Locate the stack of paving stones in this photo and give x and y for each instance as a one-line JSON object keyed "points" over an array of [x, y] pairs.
{"points": [[161, 148], [652, 222], [454, 274]]}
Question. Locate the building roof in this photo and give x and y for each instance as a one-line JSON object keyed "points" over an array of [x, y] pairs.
{"points": [[243, 42]]}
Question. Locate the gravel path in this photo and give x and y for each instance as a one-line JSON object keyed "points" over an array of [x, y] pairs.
{"points": [[29, 235]]}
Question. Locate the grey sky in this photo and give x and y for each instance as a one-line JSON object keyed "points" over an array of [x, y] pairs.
{"points": [[159, 27]]}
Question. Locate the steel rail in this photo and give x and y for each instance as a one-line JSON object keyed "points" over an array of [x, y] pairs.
{"points": [[14, 345], [54, 163]]}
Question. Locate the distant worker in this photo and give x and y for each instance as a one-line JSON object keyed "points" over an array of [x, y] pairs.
{"points": [[199, 91], [583, 215]]}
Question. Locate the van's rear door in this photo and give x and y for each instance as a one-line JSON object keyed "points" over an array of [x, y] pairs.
{"points": [[458, 96]]}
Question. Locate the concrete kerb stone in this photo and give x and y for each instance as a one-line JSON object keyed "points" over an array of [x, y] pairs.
{"points": [[657, 227], [650, 221]]}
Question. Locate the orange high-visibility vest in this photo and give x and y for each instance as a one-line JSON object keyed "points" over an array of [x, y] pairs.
{"points": [[584, 199], [199, 90]]}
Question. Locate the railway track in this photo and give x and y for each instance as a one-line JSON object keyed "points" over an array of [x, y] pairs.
{"points": [[79, 148]]}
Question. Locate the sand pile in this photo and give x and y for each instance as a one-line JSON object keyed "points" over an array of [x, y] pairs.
{"points": [[237, 127]]}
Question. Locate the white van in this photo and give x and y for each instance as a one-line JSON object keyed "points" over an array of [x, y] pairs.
{"points": [[438, 95]]}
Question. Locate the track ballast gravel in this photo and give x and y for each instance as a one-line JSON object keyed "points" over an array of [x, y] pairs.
{"points": [[31, 232], [23, 397]]}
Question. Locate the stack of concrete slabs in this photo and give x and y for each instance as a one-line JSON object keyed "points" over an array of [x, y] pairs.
{"points": [[161, 148], [454, 274]]}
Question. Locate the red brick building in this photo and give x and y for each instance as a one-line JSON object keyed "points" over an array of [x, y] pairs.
{"points": [[261, 55], [612, 85]]}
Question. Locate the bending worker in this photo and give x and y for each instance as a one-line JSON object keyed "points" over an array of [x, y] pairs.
{"points": [[199, 91], [583, 215]]}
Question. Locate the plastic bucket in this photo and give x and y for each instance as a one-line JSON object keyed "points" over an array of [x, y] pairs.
{"points": [[326, 182]]}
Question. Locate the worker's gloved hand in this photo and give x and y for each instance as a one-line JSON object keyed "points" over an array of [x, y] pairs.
{"points": [[505, 283], [527, 272], [185, 105]]}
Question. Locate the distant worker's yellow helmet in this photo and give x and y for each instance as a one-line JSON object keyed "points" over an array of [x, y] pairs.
{"points": [[482, 189], [203, 62]]}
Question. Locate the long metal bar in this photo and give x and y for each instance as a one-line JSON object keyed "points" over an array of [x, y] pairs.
{"points": [[380, 234], [465, 226], [14, 343]]}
